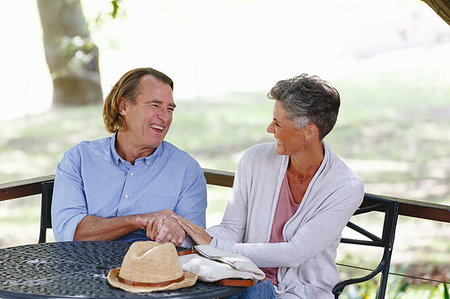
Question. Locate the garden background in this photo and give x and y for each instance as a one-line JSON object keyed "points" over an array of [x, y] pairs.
{"points": [[389, 61]]}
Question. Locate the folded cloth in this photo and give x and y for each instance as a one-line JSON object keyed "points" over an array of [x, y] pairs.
{"points": [[212, 264]]}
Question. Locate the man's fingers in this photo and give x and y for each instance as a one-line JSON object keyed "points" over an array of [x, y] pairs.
{"points": [[171, 232], [178, 238], [162, 236]]}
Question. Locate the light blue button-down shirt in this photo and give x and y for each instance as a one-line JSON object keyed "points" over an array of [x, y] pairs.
{"points": [[92, 179]]}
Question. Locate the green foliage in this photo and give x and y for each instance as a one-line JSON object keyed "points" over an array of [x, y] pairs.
{"points": [[115, 4], [398, 288]]}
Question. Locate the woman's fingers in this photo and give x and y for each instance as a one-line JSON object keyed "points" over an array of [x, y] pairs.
{"points": [[188, 226], [197, 233]]}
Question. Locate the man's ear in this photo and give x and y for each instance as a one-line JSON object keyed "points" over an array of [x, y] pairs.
{"points": [[123, 106]]}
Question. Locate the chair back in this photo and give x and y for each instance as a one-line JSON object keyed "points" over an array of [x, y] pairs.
{"points": [[390, 208], [46, 206]]}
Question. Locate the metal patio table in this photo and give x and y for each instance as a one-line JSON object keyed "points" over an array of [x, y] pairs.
{"points": [[79, 269]]}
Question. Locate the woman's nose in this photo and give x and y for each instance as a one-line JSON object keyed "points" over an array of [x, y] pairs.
{"points": [[270, 128]]}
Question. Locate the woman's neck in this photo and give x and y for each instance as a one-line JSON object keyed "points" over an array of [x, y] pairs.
{"points": [[305, 164]]}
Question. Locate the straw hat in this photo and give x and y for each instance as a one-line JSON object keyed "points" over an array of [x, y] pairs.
{"points": [[150, 266]]}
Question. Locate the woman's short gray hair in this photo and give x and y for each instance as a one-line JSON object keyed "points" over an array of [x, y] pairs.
{"points": [[308, 99]]}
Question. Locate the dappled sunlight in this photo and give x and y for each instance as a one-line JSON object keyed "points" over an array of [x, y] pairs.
{"points": [[388, 59]]}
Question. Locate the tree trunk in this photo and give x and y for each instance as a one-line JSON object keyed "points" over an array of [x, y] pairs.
{"points": [[441, 7], [71, 56]]}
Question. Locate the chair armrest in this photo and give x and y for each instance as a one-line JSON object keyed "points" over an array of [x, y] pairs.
{"points": [[339, 287]]}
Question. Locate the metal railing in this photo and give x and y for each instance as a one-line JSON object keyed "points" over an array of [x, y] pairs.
{"points": [[411, 208]]}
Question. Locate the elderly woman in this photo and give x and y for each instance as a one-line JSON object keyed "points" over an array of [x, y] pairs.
{"points": [[292, 198]]}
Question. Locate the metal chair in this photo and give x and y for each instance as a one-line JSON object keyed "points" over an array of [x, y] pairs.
{"points": [[46, 205], [390, 210]]}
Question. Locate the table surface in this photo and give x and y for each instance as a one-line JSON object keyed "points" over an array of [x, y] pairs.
{"points": [[78, 269]]}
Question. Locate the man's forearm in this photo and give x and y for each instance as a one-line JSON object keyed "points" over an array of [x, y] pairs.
{"points": [[95, 228]]}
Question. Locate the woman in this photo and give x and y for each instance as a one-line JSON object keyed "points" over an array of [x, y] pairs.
{"points": [[291, 199]]}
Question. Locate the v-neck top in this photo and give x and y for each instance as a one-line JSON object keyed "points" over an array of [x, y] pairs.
{"points": [[306, 260], [286, 208]]}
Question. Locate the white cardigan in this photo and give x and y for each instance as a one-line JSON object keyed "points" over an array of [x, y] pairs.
{"points": [[306, 261]]}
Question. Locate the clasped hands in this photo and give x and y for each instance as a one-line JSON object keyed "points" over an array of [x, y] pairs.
{"points": [[166, 226]]}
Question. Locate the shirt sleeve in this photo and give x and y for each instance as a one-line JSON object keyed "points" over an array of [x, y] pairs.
{"points": [[310, 239], [192, 200], [68, 202]]}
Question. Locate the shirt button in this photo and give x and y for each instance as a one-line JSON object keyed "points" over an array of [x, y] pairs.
{"points": [[126, 196], [131, 173]]}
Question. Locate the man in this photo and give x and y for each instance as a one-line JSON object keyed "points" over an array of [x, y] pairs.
{"points": [[125, 187]]}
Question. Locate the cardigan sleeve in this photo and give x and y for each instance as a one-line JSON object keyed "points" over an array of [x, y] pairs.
{"points": [[311, 237], [233, 225]]}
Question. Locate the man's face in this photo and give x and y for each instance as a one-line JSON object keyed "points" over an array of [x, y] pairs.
{"points": [[148, 119]]}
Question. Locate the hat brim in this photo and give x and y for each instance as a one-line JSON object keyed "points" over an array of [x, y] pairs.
{"points": [[188, 281]]}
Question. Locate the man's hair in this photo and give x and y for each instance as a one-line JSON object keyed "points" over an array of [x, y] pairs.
{"points": [[127, 87], [308, 99]]}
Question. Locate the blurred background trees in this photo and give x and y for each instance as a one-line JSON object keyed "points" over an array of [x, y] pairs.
{"points": [[388, 59], [71, 55]]}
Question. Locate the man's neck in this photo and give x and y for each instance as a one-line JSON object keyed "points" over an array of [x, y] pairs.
{"points": [[129, 150]]}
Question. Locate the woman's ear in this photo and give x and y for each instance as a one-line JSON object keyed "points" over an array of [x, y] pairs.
{"points": [[123, 106], [311, 131]]}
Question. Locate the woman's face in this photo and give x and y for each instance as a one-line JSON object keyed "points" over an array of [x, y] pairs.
{"points": [[289, 140]]}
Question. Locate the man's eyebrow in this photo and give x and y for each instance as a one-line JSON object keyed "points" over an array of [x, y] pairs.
{"points": [[160, 102]]}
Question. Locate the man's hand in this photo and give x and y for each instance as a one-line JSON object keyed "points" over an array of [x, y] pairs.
{"points": [[161, 227], [167, 229]]}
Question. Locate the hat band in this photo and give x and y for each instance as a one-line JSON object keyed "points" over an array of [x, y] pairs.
{"points": [[149, 284]]}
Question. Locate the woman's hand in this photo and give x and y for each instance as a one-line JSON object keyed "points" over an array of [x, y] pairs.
{"points": [[197, 233]]}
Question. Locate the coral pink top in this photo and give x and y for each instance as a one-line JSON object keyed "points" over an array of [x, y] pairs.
{"points": [[286, 208]]}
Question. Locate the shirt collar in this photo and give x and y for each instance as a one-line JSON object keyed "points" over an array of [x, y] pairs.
{"points": [[117, 159]]}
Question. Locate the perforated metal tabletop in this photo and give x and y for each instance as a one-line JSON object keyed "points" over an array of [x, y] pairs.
{"points": [[78, 269]]}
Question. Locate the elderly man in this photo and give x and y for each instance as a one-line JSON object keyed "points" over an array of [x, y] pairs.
{"points": [[125, 187]]}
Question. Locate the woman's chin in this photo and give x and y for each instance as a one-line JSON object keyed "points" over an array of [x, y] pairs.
{"points": [[280, 150]]}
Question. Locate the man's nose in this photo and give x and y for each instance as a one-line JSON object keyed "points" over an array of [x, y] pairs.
{"points": [[163, 115]]}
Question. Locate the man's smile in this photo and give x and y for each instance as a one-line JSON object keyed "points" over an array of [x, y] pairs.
{"points": [[157, 128]]}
